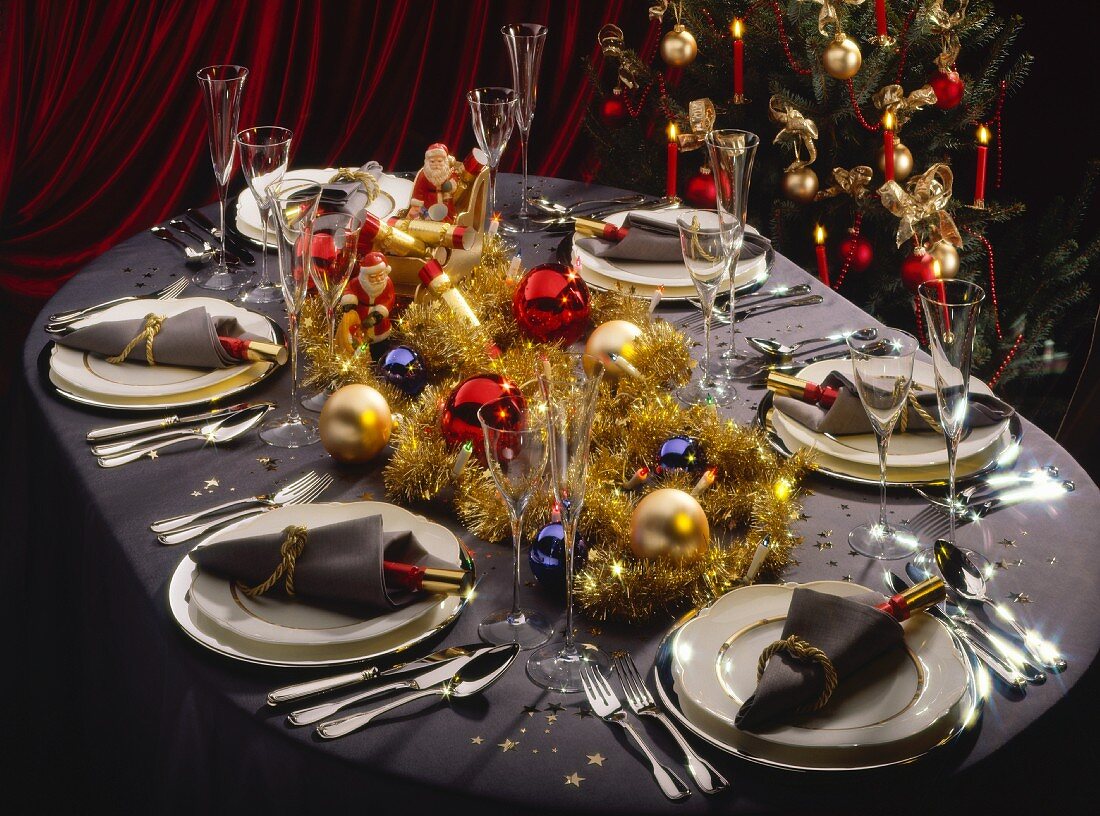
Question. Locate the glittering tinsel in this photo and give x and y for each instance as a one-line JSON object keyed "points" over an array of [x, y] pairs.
{"points": [[755, 492]]}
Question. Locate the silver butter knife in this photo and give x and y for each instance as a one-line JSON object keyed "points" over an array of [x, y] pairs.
{"points": [[152, 425]]}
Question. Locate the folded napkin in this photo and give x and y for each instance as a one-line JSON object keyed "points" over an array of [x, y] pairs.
{"points": [[338, 566], [846, 415], [350, 196], [652, 239], [850, 632], [187, 339]]}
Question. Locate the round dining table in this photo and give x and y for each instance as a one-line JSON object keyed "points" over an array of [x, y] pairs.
{"points": [[113, 706]]}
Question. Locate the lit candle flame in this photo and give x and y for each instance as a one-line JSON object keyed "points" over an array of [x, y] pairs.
{"points": [[737, 28], [673, 132], [819, 234], [983, 135], [889, 121]]}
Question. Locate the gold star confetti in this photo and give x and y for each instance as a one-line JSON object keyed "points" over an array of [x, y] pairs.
{"points": [[531, 711], [584, 712], [1052, 560], [553, 750], [506, 746], [833, 564], [196, 492], [523, 730], [368, 496], [555, 708], [574, 779], [596, 759], [551, 718], [620, 653], [307, 321], [212, 483], [153, 455], [1008, 542], [1000, 565], [476, 740], [595, 631], [824, 545], [1019, 597], [534, 750], [847, 578], [852, 552], [530, 584], [547, 731], [843, 507], [825, 534]]}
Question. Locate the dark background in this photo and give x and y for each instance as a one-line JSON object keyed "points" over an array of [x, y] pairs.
{"points": [[102, 133]]}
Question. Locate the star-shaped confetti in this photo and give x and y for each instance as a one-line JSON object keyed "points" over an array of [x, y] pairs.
{"points": [[825, 534], [555, 707], [268, 463], [584, 712], [847, 578], [553, 750], [147, 274], [551, 718], [154, 455], [212, 483], [534, 750], [1019, 597], [476, 740], [1052, 560], [1000, 565], [531, 711], [523, 730], [824, 545], [506, 746], [843, 507], [596, 759], [196, 492], [127, 269], [574, 779], [852, 552], [595, 631], [139, 285], [833, 564], [1008, 542]]}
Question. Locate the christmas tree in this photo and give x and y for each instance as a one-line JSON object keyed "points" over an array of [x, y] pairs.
{"points": [[828, 86]]}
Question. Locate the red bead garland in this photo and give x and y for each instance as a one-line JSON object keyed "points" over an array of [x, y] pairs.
{"points": [[992, 280], [905, 50], [875, 128], [1008, 359], [851, 251], [786, 43], [919, 313]]}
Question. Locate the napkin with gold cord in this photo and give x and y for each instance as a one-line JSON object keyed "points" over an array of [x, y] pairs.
{"points": [[650, 238]]}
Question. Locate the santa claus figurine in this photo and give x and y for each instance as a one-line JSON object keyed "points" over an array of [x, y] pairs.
{"points": [[372, 296], [435, 186]]}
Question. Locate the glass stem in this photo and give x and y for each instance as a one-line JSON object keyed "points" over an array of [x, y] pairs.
{"points": [[708, 310], [330, 317], [569, 526], [292, 320], [732, 306], [492, 192], [952, 454], [523, 196], [265, 213], [517, 547], [883, 445], [223, 194]]}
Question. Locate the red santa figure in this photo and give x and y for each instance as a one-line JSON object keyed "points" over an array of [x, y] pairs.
{"points": [[435, 186], [372, 296]]}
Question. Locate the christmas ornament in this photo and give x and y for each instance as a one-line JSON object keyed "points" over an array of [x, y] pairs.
{"points": [[701, 190], [552, 303], [903, 161], [678, 47], [669, 524], [404, 369], [613, 111], [436, 186], [854, 182], [355, 424], [946, 24], [615, 337], [842, 58], [458, 418], [917, 268], [949, 87], [921, 207], [371, 294], [681, 454], [800, 185], [547, 556], [893, 99], [858, 251], [948, 257]]}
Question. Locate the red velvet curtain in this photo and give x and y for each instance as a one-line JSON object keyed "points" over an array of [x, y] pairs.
{"points": [[102, 132]]}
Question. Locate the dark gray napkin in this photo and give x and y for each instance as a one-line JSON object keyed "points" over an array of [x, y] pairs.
{"points": [[187, 339], [846, 415], [340, 566], [349, 196], [850, 631], [651, 239]]}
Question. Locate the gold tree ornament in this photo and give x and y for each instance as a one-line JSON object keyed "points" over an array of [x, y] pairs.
{"points": [[800, 185], [892, 99], [701, 116], [948, 257], [669, 524], [842, 58], [355, 424], [922, 207], [852, 182], [800, 182], [903, 160], [678, 47], [947, 25]]}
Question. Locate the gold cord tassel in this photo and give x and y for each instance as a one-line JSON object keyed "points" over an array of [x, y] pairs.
{"points": [[290, 550], [804, 652], [149, 330]]}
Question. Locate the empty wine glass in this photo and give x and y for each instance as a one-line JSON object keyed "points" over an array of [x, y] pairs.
{"points": [[515, 435], [294, 204], [333, 255], [525, 43], [883, 372], [571, 408], [223, 85], [493, 112], [265, 153], [708, 240]]}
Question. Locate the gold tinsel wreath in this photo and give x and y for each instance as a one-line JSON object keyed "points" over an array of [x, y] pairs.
{"points": [[755, 493]]}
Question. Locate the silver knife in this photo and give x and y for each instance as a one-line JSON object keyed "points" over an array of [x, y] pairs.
{"points": [[114, 431], [231, 242], [309, 688]]}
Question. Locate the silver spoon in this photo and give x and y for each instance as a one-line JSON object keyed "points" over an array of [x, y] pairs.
{"points": [[214, 433], [773, 348], [967, 581], [554, 208], [185, 228]]}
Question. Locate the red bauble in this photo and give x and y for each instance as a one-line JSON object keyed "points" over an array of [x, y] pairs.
{"points": [[916, 269], [552, 303], [613, 112], [701, 191], [458, 420], [859, 249], [949, 87]]}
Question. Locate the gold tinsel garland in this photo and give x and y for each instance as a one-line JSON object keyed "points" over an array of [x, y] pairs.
{"points": [[755, 493]]}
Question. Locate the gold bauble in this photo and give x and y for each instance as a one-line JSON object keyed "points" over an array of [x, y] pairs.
{"points": [[903, 160], [615, 337], [948, 256], [678, 48], [670, 524], [355, 423], [800, 185], [842, 58], [346, 331]]}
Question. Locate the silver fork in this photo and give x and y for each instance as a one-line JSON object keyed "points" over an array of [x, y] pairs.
{"points": [[641, 702], [189, 533], [285, 493], [167, 293], [607, 706]]}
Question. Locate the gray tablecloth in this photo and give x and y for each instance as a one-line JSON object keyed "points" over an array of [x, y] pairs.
{"points": [[113, 704]]}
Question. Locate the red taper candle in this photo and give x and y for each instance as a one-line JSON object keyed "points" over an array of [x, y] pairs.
{"points": [[737, 31], [673, 155], [888, 124], [822, 260], [880, 19], [979, 176]]}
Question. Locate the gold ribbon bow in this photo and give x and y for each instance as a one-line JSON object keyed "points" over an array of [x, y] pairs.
{"points": [[149, 329], [853, 182], [804, 652], [658, 9], [923, 205], [613, 47], [946, 25], [796, 129], [892, 98], [701, 118], [829, 14], [290, 550]]}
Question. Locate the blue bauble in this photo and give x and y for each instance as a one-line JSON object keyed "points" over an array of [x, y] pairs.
{"points": [[547, 556], [404, 369], [681, 454]]}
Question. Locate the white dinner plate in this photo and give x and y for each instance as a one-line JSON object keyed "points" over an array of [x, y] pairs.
{"points": [[393, 195], [896, 708], [907, 450], [278, 620]]}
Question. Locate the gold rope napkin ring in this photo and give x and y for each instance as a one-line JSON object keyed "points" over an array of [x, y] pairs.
{"points": [[804, 652], [149, 330], [348, 174], [290, 550]]}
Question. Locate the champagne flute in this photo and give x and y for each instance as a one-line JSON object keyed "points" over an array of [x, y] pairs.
{"points": [[731, 157], [333, 254], [265, 153], [883, 370], [223, 85], [525, 43], [492, 111], [515, 435], [571, 408], [708, 240], [295, 206]]}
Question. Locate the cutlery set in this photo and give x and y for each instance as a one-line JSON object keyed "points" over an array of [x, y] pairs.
{"points": [[62, 322], [200, 230]]}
